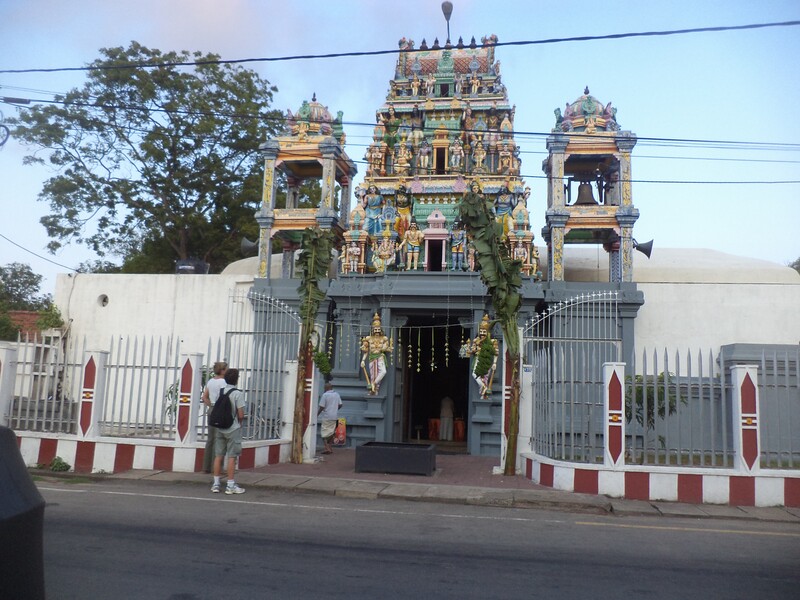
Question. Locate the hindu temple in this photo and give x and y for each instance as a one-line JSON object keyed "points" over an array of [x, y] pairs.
{"points": [[406, 286]]}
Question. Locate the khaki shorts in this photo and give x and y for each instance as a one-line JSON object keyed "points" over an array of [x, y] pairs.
{"points": [[228, 444]]}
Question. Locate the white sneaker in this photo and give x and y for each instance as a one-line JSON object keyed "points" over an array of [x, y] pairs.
{"points": [[215, 488], [234, 489]]}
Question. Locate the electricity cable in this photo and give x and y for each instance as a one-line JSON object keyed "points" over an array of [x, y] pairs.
{"points": [[583, 38]]}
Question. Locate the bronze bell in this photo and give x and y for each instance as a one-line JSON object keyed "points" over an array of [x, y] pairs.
{"points": [[585, 194]]}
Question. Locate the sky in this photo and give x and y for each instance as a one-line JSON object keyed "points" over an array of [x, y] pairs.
{"points": [[732, 86]]}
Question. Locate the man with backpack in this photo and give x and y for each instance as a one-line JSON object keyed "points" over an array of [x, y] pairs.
{"points": [[210, 394], [226, 416]]}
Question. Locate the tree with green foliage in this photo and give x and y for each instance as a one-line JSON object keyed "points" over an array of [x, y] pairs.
{"points": [[8, 331], [313, 264], [502, 276], [155, 162], [795, 265], [20, 288]]}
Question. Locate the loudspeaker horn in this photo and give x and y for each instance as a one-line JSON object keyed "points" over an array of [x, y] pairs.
{"points": [[646, 248], [248, 247]]}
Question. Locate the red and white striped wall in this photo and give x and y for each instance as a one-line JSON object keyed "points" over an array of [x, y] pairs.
{"points": [[695, 486], [88, 452], [744, 485], [110, 455]]}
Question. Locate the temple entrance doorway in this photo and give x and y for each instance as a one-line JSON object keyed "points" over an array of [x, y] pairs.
{"points": [[431, 371]]}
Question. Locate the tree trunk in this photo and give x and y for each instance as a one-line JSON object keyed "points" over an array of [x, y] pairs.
{"points": [[512, 433], [299, 399]]}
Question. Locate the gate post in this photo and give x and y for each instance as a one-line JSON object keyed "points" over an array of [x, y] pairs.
{"points": [[614, 414], [746, 440], [189, 390], [93, 393], [8, 374], [309, 414]]}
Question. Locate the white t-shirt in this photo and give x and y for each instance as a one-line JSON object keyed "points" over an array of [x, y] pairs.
{"points": [[330, 403], [214, 386]]}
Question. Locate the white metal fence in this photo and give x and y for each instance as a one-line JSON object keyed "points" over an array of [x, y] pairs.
{"points": [[142, 375], [678, 410]]}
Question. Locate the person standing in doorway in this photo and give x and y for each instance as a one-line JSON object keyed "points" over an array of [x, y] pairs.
{"points": [[229, 441], [446, 419], [210, 395], [328, 413]]}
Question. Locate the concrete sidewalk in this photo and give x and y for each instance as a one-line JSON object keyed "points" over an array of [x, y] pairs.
{"points": [[459, 479]]}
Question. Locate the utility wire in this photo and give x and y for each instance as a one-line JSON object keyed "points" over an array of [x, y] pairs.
{"points": [[584, 38], [37, 255], [276, 116]]}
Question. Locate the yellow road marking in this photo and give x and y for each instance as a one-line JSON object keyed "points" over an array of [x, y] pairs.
{"points": [[698, 529]]}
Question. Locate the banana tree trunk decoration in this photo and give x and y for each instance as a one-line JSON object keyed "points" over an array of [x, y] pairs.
{"points": [[502, 276], [313, 263]]}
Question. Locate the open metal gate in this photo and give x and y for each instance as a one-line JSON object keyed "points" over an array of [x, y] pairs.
{"points": [[566, 347]]}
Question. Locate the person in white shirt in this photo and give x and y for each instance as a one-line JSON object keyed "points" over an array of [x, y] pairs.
{"points": [[446, 419], [328, 414]]}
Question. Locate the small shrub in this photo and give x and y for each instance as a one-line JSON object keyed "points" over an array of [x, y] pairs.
{"points": [[58, 464]]}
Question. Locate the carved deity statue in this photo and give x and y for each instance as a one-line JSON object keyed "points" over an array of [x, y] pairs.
{"points": [[373, 206], [484, 352], [456, 155], [423, 156], [375, 347], [458, 246], [352, 256], [412, 242]]}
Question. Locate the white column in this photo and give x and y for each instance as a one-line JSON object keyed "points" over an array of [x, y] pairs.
{"points": [[8, 373]]}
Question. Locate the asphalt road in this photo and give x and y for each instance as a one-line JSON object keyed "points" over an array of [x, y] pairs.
{"points": [[176, 541]]}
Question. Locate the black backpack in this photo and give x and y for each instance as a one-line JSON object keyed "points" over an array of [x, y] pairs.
{"points": [[221, 415]]}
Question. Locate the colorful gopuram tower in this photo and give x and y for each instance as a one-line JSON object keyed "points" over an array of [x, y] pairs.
{"points": [[446, 122]]}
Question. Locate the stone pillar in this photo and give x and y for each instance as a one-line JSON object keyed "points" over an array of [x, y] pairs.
{"points": [[746, 440], [344, 202], [614, 414], [557, 221], [625, 146], [309, 413], [287, 267], [292, 192], [265, 223], [189, 391], [330, 150], [265, 216], [626, 217], [8, 374], [93, 393], [557, 146]]}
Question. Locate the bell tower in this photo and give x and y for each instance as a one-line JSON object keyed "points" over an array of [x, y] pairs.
{"points": [[311, 147], [589, 197]]}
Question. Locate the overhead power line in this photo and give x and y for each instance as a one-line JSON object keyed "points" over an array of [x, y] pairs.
{"points": [[10, 241], [276, 116], [582, 38]]}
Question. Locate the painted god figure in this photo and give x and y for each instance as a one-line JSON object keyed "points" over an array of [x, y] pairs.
{"points": [[458, 246], [484, 352], [404, 204], [375, 347], [373, 206], [412, 241], [503, 208], [383, 254], [352, 255]]}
